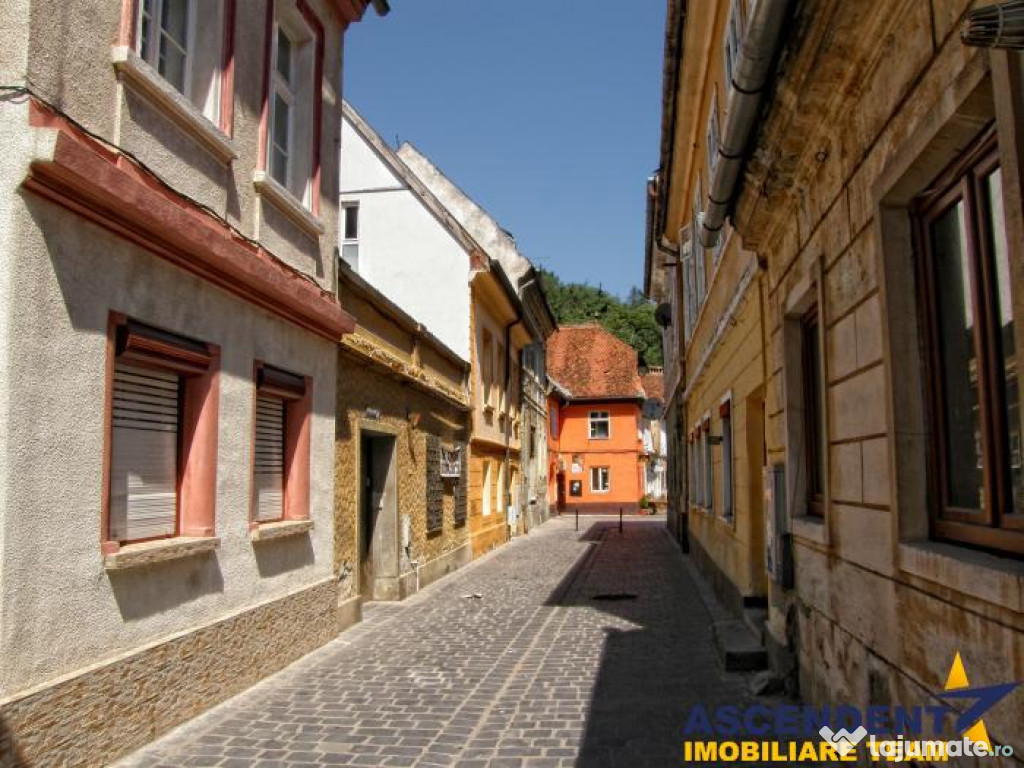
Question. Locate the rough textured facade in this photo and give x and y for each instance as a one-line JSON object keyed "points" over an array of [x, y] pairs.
{"points": [[871, 108], [137, 225], [396, 381]]}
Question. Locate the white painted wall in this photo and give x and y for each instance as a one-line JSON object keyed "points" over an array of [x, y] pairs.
{"points": [[480, 224], [404, 251]]}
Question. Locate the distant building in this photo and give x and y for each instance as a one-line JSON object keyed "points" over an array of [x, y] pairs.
{"points": [[596, 421], [168, 342]]}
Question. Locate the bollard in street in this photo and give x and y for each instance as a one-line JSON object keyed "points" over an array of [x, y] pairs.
{"points": [[620, 519], [577, 518]]}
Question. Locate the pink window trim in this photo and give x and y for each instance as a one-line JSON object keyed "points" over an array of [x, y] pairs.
{"points": [[318, 30], [197, 490], [297, 436], [126, 37]]}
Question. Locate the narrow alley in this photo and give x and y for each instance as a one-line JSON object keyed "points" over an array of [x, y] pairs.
{"points": [[517, 660]]}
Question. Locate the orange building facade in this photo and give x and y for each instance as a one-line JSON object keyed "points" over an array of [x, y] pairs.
{"points": [[595, 428]]}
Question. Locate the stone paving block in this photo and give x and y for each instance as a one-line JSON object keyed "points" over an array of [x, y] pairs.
{"points": [[535, 673]]}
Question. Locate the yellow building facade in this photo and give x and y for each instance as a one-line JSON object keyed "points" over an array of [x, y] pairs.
{"points": [[498, 336], [715, 366]]}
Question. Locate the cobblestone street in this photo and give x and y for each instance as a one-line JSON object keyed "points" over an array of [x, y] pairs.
{"points": [[518, 660]]}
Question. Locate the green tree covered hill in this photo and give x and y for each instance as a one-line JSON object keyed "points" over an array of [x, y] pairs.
{"points": [[631, 320]]}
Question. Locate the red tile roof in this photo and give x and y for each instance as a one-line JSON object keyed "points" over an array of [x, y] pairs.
{"points": [[592, 364], [654, 385]]}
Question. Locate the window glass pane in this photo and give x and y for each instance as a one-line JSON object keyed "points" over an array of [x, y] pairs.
{"points": [[1007, 342], [279, 156], [146, 29], [959, 366], [727, 465], [350, 255], [174, 42], [351, 222], [284, 56]]}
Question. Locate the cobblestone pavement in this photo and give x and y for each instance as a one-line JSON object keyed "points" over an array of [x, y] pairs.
{"points": [[537, 671]]}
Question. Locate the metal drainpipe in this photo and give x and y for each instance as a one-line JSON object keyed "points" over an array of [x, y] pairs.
{"points": [[749, 78]]}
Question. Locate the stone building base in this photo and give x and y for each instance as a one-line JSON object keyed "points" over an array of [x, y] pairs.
{"points": [[438, 568], [96, 715]]}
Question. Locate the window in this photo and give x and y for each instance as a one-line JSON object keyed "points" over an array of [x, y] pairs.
{"points": [[282, 109], [553, 418], [500, 488], [691, 469], [724, 411], [499, 373], [163, 428], [350, 239], [184, 41], [814, 412], [280, 446], [968, 284], [698, 466], [487, 489], [733, 38], [689, 269], [700, 283], [487, 367], [709, 476], [600, 479], [293, 101], [600, 425]]}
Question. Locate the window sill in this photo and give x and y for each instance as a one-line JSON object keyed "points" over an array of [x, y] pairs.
{"points": [[279, 530], [140, 75], [287, 203], [159, 551], [810, 528], [987, 577]]}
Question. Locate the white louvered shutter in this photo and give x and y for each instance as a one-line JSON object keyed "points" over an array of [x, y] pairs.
{"points": [[144, 456], [269, 462]]}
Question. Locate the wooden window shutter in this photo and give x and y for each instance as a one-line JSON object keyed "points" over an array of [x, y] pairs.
{"points": [[144, 455], [268, 465]]}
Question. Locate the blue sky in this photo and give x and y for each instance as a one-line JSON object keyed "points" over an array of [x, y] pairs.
{"points": [[546, 113]]}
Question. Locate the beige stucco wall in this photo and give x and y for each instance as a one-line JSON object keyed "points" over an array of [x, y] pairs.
{"points": [[69, 65], [59, 610], [879, 610]]}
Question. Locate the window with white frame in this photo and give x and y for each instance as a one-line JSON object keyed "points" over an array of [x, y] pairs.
{"points": [[698, 467], [291, 111], [486, 500], [184, 41], [600, 425], [350, 235], [733, 38], [709, 476], [725, 410], [686, 264], [700, 283], [600, 479]]}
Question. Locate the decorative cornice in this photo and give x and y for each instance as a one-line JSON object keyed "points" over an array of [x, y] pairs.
{"points": [[393, 364], [100, 184]]}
